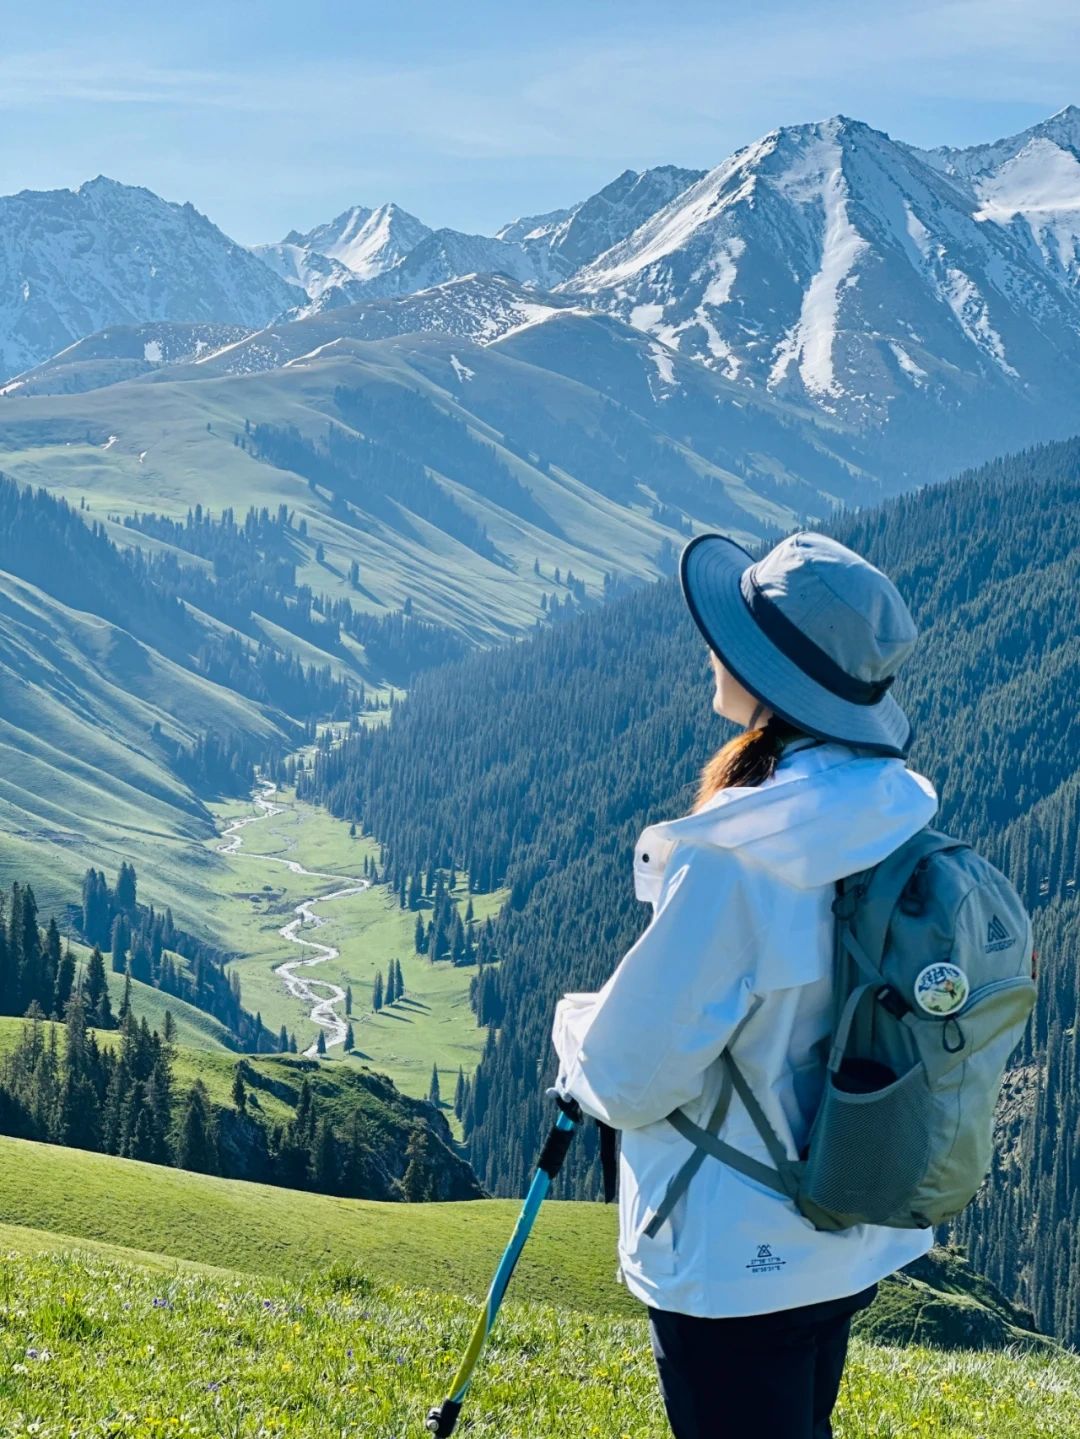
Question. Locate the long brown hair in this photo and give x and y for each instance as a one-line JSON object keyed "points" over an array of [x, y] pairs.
{"points": [[749, 759]]}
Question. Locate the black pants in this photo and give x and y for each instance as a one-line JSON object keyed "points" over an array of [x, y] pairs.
{"points": [[768, 1376]]}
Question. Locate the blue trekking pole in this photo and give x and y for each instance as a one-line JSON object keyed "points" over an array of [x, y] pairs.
{"points": [[442, 1419]]}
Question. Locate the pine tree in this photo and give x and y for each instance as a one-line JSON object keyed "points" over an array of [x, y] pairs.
{"points": [[459, 1091], [65, 981], [391, 985], [51, 963], [350, 1039], [320, 1043], [239, 1092], [324, 1172], [98, 1009], [418, 1183], [126, 891], [283, 1040], [169, 1028], [433, 1091], [197, 1143], [420, 938], [121, 938], [377, 992], [348, 999], [125, 1003]]}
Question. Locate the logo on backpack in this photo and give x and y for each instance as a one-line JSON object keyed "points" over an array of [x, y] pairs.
{"points": [[941, 988], [997, 936]]}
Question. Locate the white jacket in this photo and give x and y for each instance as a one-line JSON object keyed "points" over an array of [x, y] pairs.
{"points": [[742, 895]]}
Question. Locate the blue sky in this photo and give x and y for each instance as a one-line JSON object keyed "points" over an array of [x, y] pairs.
{"points": [[270, 115]]}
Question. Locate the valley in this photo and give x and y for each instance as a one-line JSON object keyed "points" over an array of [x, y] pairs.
{"points": [[341, 662], [286, 844]]}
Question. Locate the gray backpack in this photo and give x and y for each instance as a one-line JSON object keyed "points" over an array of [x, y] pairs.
{"points": [[934, 987]]}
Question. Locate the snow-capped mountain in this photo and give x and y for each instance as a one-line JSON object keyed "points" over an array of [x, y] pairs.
{"points": [[314, 275], [122, 352], [567, 239], [448, 255], [1029, 184], [839, 270], [366, 242], [387, 252], [478, 308], [75, 261]]}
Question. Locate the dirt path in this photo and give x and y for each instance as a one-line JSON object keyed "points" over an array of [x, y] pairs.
{"points": [[320, 994]]}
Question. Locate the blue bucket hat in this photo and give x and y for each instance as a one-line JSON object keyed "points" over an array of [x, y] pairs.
{"points": [[812, 630]]}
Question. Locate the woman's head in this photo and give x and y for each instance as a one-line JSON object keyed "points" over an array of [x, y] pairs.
{"points": [[812, 631], [805, 642]]}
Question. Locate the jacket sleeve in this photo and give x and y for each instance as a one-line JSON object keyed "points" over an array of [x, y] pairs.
{"points": [[640, 1047]]}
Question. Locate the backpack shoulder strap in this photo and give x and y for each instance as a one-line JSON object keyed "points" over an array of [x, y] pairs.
{"points": [[872, 901], [783, 1179]]}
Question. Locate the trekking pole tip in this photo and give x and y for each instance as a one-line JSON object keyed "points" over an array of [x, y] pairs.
{"points": [[442, 1418]]}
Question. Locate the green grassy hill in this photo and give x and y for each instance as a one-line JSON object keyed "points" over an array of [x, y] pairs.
{"points": [[81, 779], [110, 1342], [569, 1260]]}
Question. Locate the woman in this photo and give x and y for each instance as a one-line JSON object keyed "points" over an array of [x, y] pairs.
{"points": [[749, 1305]]}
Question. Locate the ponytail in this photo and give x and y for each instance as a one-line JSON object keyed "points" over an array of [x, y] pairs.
{"points": [[747, 760]]}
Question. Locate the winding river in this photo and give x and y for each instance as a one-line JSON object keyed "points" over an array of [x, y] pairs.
{"points": [[322, 996]]}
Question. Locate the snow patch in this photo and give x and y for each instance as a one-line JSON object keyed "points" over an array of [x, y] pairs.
{"points": [[916, 373], [811, 340], [960, 293], [143, 456], [152, 352], [646, 317], [462, 371], [110, 442], [664, 362], [1041, 185]]}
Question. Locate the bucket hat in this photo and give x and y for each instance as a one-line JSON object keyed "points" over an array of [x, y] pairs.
{"points": [[812, 630]]}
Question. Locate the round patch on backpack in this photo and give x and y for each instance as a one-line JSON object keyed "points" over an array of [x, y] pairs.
{"points": [[941, 988]]}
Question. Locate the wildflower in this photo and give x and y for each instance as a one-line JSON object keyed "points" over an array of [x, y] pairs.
{"points": [[161, 1304]]}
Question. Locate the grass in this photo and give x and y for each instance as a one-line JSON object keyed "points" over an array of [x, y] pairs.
{"points": [[264, 1230], [102, 1344], [81, 780], [433, 1025]]}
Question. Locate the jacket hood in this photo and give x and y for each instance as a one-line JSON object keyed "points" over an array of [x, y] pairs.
{"points": [[828, 812]]}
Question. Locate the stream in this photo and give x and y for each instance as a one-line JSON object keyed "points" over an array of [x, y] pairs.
{"points": [[322, 996]]}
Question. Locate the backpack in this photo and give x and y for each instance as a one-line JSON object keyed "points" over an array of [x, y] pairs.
{"points": [[934, 986]]}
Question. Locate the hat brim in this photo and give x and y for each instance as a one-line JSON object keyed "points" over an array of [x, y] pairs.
{"points": [[710, 570]]}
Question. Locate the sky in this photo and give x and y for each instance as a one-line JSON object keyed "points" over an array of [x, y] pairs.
{"points": [[270, 115]]}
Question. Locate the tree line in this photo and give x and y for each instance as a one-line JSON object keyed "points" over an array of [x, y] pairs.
{"points": [[147, 944]]}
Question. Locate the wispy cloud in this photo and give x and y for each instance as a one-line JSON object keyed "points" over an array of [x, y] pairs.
{"points": [[327, 120]]}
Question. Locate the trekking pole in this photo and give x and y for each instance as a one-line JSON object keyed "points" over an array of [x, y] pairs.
{"points": [[442, 1419]]}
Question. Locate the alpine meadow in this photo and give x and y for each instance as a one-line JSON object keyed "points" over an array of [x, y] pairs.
{"points": [[349, 641]]}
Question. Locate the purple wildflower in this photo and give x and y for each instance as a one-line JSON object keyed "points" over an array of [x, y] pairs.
{"points": [[161, 1304]]}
